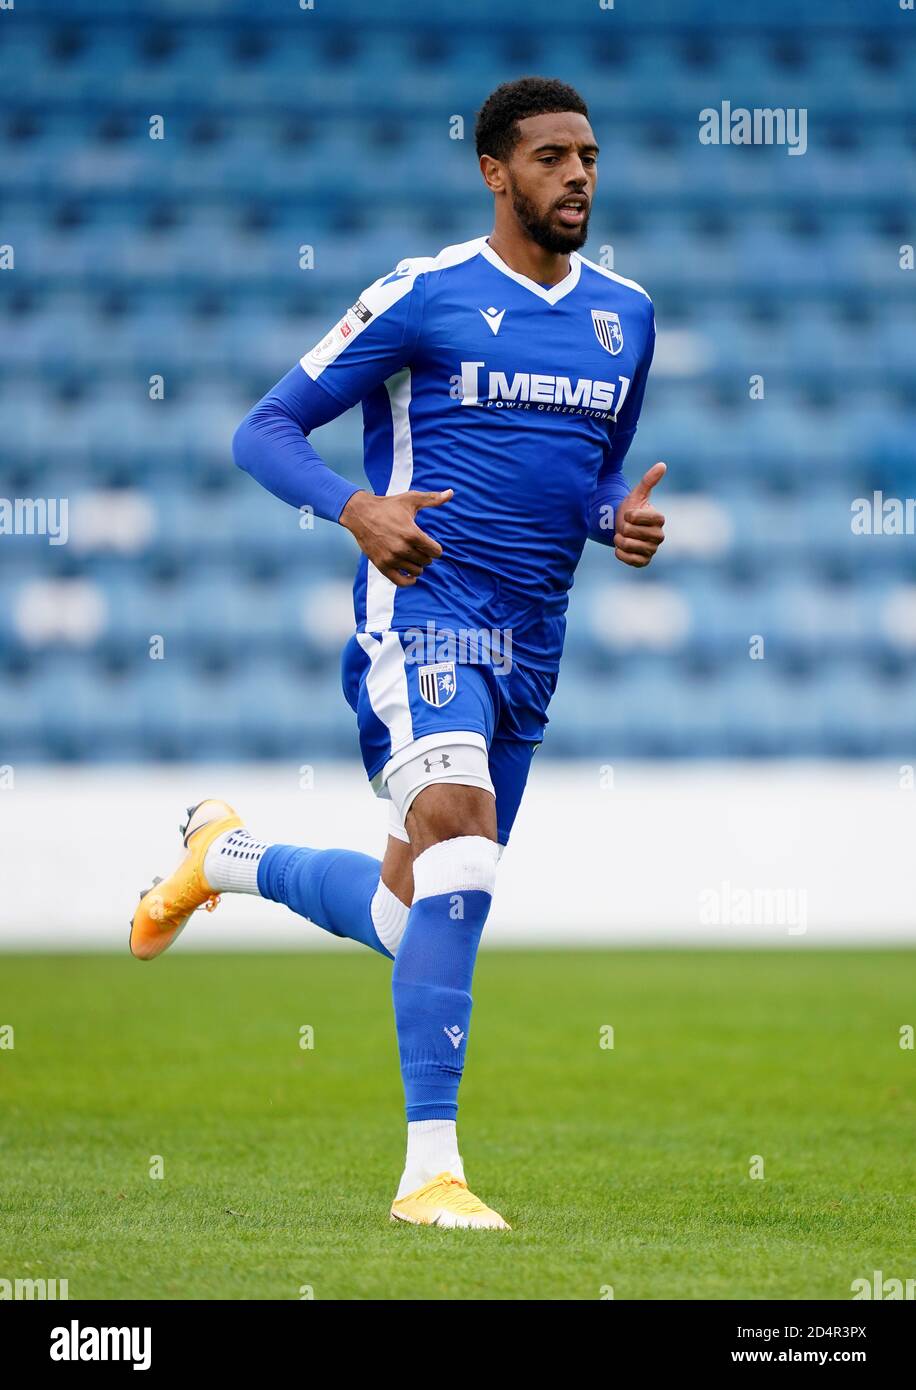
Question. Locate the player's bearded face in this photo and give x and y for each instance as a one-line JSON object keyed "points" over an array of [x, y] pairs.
{"points": [[543, 223]]}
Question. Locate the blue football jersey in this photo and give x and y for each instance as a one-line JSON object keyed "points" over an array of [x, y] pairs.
{"points": [[523, 399]]}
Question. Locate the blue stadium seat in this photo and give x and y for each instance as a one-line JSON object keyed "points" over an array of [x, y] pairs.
{"points": [[180, 258]]}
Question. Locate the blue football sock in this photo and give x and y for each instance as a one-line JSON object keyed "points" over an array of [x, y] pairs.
{"points": [[431, 981], [337, 889]]}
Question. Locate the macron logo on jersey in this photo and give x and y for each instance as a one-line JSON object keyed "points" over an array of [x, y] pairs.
{"points": [[492, 318], [540, 390]]}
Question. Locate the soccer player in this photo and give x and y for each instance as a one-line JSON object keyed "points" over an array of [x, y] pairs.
{"points": [[501, 382]]}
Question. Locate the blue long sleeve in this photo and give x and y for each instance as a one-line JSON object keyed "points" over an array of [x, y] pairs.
{"points": [[272, 446], [602, 507], [612, 487]]}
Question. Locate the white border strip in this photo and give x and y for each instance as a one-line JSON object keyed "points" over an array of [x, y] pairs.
{"points": [[381, 592]]}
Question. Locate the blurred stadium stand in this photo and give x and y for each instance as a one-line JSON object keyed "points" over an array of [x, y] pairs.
{"points": [[285, 128]]}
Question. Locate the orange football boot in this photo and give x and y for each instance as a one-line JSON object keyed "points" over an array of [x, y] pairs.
{"points": [[166, 906]]}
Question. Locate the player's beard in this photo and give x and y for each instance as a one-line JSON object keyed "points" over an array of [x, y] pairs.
{"points": [[545, 233]]}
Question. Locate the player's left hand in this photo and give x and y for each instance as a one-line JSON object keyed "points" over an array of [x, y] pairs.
{"points": [[639, 527]]}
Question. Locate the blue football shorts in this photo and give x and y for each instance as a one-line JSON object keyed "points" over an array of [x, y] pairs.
{"points": [[404, 706]]}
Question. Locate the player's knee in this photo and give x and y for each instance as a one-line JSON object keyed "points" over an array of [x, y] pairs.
{"points": [[444, 793], [449, 812]]}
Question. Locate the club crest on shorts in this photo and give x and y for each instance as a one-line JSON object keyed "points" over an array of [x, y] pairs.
{"points": [[608, 330], [437, 682]]}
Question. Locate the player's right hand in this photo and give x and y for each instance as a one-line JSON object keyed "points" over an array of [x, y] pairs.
{"points": [[385, 530]]}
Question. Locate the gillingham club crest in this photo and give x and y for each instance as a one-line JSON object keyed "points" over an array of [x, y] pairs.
{"points": [[437, 682], [608, 330]]}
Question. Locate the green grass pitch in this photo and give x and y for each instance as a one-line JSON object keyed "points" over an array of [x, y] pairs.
{"points": [[626, 1167]]}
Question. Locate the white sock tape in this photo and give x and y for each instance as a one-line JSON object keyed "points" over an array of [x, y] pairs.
{"points": [[463, 865]]}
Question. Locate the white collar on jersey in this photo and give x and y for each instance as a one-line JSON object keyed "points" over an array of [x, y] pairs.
{"points": [[556, 292]]}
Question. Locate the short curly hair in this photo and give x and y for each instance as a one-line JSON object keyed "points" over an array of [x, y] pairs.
{"points": [[496, 131]]}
